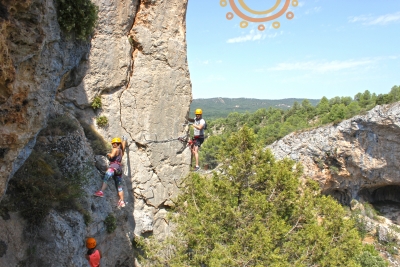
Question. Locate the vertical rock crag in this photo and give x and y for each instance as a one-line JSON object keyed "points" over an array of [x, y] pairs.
{"points": [[154, 106]]}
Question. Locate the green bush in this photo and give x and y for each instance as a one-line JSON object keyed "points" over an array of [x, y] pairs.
{"points": [[334, 169], [77, 17], [366, 259], [111, 223], [44, 182], [208, 155], [102, 121], [39, 186], [96, 104], [370, 258]]}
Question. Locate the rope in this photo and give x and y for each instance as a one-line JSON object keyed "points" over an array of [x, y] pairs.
{"points": [[181, 138]]}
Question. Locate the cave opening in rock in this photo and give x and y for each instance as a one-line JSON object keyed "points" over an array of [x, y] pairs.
{"points": [[386, 200], [390, 194], [375, 195]]}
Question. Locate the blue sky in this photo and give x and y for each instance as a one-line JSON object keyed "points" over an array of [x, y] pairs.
{"points": [[330, 48]]}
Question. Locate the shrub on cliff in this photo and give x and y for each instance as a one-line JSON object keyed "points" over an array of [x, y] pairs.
{"points": [[44, 181], [96, 104], [77, 17], [102, 121], [256, 213], [39, 186]]}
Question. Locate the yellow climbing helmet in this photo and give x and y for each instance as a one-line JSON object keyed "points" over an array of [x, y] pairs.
{"points": [[116, 140], [90, 243], [198, 112]]}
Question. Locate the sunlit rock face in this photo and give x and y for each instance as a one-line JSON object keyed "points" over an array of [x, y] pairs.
{"points": [[355, 159], [136, 63]]}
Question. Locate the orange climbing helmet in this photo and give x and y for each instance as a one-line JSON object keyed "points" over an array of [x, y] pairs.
{"points": [[90, 243], [116, 140], [198, 112]]}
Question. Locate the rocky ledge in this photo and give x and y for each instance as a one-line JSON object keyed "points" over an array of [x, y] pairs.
{"points": [[355, 159]]}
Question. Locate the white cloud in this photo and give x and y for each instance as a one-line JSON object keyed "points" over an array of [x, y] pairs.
{"points": [[252, 36], [335, 65], [313, 10], [381, 20], [361, 18]]}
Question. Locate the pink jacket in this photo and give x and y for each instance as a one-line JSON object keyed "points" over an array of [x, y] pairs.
{"points": [[94, 259]]}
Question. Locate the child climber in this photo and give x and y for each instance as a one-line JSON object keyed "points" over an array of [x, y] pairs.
{"points": [[115, 169], [93, 255]]}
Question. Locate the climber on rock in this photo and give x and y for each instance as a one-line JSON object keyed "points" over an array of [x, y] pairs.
{"points": [[93, 255], [115, 169], [199, 125]]}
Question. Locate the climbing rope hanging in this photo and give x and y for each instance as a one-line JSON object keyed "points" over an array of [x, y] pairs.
{"points": [[183, 138]]}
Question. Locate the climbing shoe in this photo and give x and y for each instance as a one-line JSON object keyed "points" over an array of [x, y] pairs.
{"points": [[196, 169], [121, 204], [99, 194]]}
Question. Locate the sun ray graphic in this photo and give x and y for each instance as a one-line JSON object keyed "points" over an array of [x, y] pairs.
{"points": [[257, 17]]}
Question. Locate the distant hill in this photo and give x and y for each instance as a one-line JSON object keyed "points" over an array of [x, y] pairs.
{"points": [[220, 107]]}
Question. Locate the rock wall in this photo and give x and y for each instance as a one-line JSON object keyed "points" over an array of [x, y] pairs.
{"points": [[136, 63], [33, 58], [138, 66], [355, 159]]}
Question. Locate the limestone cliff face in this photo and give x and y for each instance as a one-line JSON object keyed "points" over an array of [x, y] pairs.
{"points": [[136, 63], [138, 66], [356, 159]]}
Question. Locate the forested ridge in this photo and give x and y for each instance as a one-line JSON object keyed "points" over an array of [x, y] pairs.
{"points": [[272, 124], [221, 106]]}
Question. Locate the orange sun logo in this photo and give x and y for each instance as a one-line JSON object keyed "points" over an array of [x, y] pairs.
{"points": [[270, 16]]}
